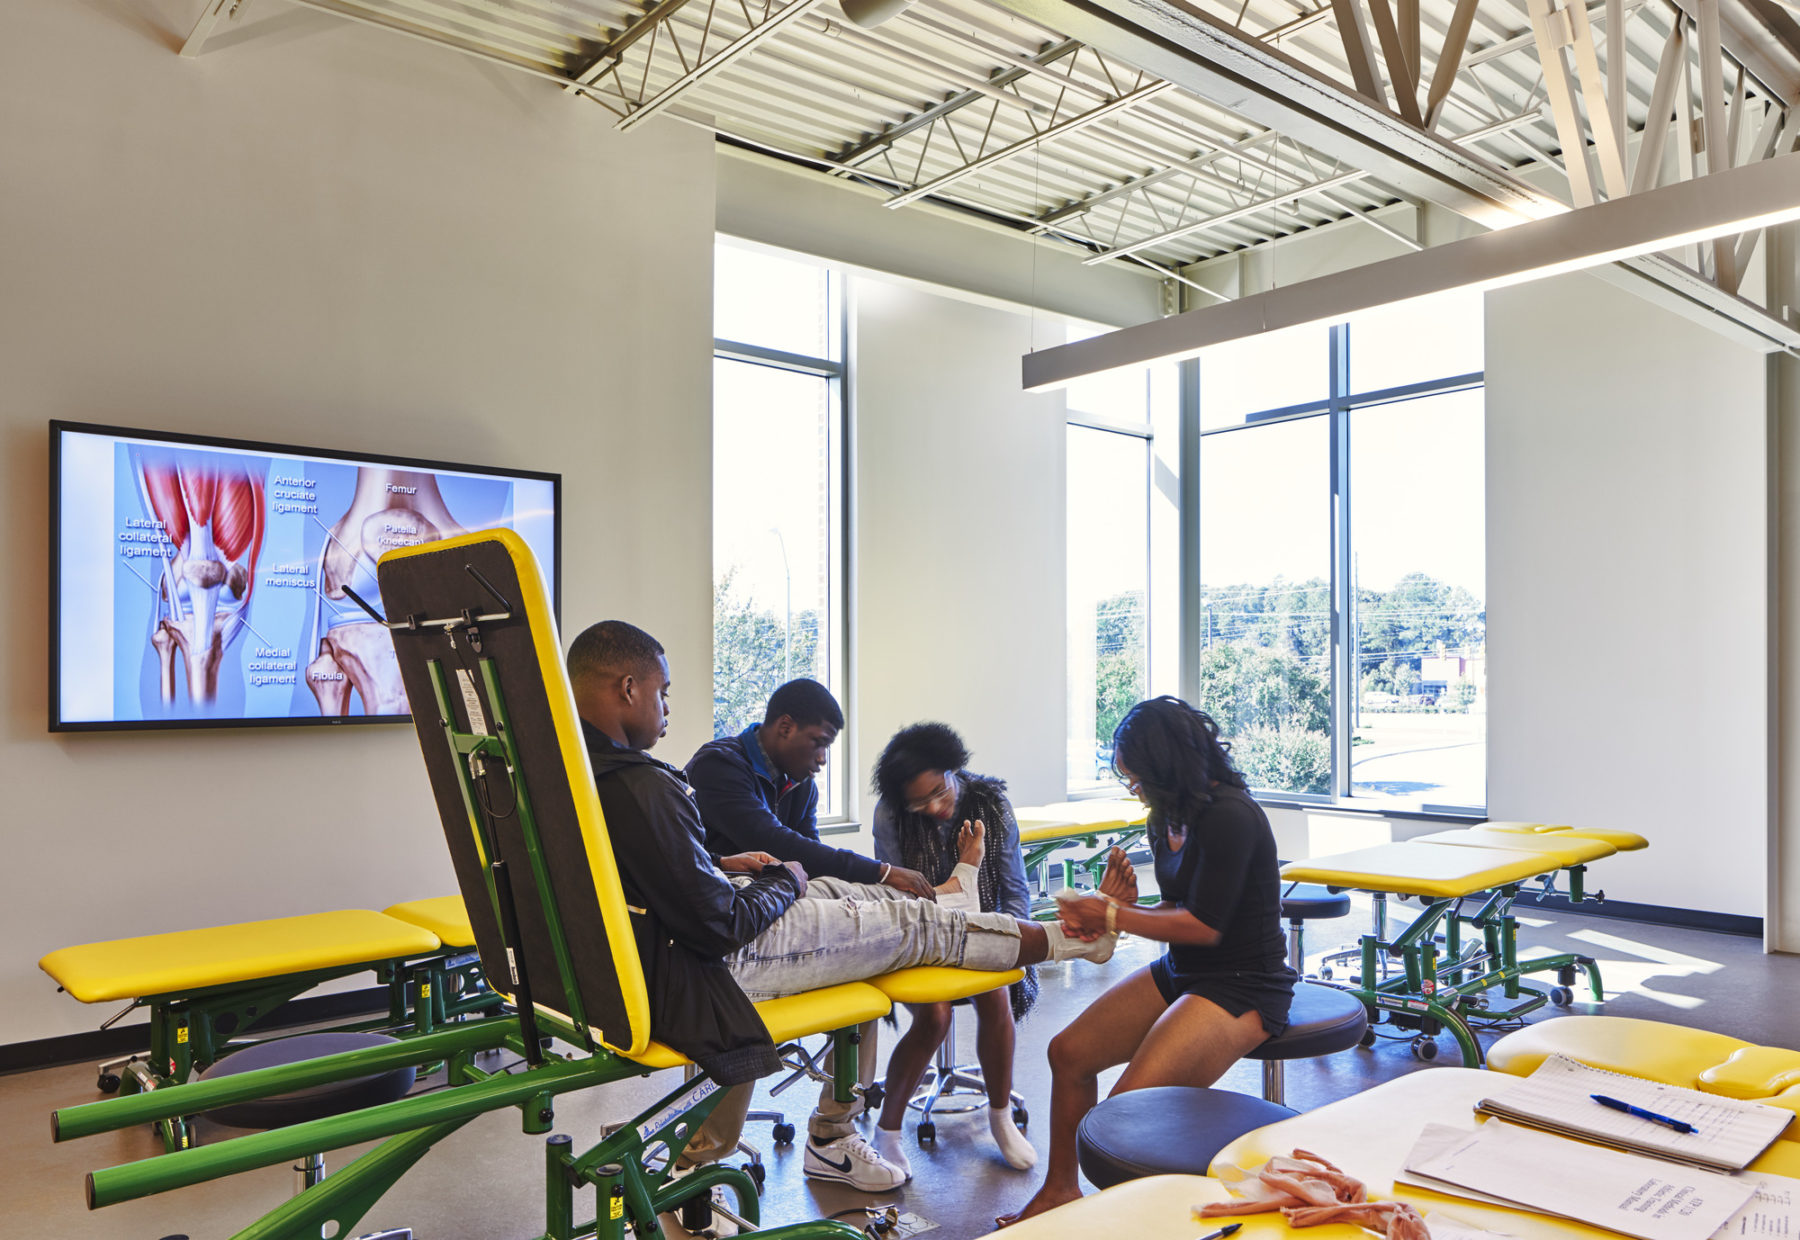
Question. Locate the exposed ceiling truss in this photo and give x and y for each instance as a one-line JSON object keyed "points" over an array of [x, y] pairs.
{"points": [[1164, 132]]}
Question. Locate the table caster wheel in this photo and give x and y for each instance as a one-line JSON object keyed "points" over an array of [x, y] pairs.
{"points": [[1021, 1117], [784, 1134], [1367, 1040], [108, 1083], [1561, 996], [1325, 973], [758, 1173], [927, 1131], [1424, 1048]]}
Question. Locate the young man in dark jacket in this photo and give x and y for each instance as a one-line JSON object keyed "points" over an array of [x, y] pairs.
{"points": [[715, 933], [757, 791]]}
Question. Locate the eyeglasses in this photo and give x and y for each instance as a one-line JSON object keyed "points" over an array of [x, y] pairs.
{"points": [[1133, 786], [947, 789]]}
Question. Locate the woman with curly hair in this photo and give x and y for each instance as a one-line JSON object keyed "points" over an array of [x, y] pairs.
{"points": [[1224, 985], [957, 829]]}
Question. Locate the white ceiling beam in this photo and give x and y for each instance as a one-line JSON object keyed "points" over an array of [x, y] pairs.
{"points": [[1456, 40], [1010, 151], [741, 46], [1669, 76], [615, 50], [1752, 196], [215, 12], [1225, 217]]}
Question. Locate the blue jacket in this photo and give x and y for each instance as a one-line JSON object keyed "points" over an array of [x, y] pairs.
{"points": [[745, 809]]}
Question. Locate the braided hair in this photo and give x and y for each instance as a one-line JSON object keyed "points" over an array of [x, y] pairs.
{"points": [[1175, 754], [931, 847]]}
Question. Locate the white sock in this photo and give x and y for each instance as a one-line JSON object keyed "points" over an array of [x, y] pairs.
{"points": [[967, 900], [890, 1144], [1014, 1148], [1065, 946]]}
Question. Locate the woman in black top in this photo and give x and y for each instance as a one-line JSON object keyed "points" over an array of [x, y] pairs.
{"points": [[1224, 985]]}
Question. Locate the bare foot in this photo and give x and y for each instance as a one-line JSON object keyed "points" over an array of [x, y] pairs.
{"points": [[1120, 879], [1047, 1198], [971, 847], [972, 841]]}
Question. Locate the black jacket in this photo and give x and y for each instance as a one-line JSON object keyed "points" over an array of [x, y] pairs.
{"points": [[746, 809], [686, 914]]}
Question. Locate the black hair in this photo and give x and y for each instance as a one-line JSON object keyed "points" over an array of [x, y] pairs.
{"points": [[913, 751], [612, 647], [1175, 754], [806, 702]]}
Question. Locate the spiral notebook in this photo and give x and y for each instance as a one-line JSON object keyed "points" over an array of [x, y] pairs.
{"points": [[1558, 1098]]}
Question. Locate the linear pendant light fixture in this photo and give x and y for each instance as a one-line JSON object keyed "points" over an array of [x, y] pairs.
{"points": [[1736, 200]]}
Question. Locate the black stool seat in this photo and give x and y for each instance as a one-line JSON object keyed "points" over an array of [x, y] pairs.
{"points": [[1321, 1021], [1167, 1130], [1308, 902], [317, 1102]]}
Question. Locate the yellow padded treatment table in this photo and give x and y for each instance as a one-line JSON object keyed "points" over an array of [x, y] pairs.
{"points": [[498, 730], [206, 987], [1369, 1135], [1450, 991], [1714, 1063], [1098, 825]]}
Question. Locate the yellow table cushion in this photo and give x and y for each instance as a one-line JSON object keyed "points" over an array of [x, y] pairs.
{"points": [[936, 984], [1565, 848], [1440, 871], [163, 964], [1672, 1054], [1107, 814], [1042, 830], [1624, 841], [445, 916], [1523, 828], [796, 1016], [1157, 1207], [1753, 1073]]}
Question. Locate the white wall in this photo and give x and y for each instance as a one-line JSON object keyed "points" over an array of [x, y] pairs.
{"points": [[1628, 586], [959, 538], [325, 235]]}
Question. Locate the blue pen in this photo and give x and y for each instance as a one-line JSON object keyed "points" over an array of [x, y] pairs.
{"points": [[1679, 1125]]}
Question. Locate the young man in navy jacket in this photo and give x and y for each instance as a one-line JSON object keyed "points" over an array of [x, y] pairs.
{"points": [[757, 793]]}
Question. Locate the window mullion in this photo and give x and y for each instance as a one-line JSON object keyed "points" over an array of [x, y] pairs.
{"points": [[1343, 652]]}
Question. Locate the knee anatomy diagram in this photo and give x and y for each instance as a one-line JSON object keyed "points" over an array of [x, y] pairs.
{"points": [[390, 508], [242, 565], [209, 530]]}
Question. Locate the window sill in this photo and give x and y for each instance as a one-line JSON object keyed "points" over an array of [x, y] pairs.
{"points": [[1371, 811], [839, 826]]}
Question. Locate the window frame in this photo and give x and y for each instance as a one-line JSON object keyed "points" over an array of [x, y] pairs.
{"points": [[1337, 406], [836, 371], [1145, 431]]}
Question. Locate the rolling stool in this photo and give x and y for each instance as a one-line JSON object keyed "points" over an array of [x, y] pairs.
{"points": [[1322, 1021], [1166, 1130], [946, 1078], [1304, 902], [318, 1102]]}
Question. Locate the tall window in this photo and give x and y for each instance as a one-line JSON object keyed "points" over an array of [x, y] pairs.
{"points": [[778, 426], [1342, 557], [1110, 505]]}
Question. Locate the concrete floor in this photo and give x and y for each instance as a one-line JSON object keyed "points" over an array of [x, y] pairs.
{"points": [[485, 1183]]}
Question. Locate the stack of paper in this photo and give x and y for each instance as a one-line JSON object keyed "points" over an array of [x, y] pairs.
{"points": [[1605, 1188], [1558, 1098]]}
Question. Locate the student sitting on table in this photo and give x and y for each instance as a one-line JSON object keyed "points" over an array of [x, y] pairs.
{"points": [[936, 817], [711, 944], [1224, 985]]}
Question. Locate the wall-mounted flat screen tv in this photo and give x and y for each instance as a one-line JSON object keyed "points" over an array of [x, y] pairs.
{"points": [[206, 582]]}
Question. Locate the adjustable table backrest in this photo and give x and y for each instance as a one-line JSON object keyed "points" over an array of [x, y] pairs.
{"points": [[483, 668]]}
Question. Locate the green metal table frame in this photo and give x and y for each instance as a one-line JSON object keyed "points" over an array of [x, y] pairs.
{"points": [[1446, 985]]}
